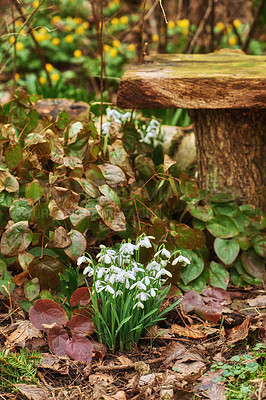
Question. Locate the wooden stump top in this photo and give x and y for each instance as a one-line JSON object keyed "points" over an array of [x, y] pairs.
{"points": [[199, 81]]}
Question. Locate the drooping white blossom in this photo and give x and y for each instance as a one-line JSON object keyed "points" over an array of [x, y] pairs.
{"points": [[180, 259]]}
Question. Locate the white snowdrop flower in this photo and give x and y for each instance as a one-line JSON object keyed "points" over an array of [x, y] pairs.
{"points": [[146, 280], [139, 305], [142, 296], [164, 263], [119, 293], [137, 269], [83, 259], [106, 259], [109, 289], [112, 279], [120, 278], [127, 284], [145, 242], [130, 275], [127, 248], [102, 246], [115, 269], [105, 128], [138, 285], [181, 259], [125, 116], [100, 272], [153, 292], [99, 287], [163, 252], [163, 272], [153, 266], [155, 123], [88, 271]]}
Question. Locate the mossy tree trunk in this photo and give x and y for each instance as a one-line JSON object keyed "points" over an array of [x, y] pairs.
{"points": [[231, 152]]}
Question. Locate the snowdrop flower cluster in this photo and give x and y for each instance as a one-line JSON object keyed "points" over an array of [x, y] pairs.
{"points": [[152, 132], [130, 293], [116, 116]]}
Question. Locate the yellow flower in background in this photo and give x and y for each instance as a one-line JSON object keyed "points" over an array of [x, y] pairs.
{"points": [[79, 30], [55, 77], [68, 28], [42, 80], [77, 53], [55, 19], [18, 23], [116, 43], [49, 67], [106, 47], [69, 38], [86, 25], [23, 10], [56, 41], [69, 19], [16, 76], [19, 46], [232, 40], [183, 23], [237, 23], [113, 52], [115, 21], [124, 19], [229, 28], [131, 47], [171, 24], [116, 1], [78, 20], [111, 4], [155, 38], [35, 3], [220, 26], [12, 39], [42, 31]]}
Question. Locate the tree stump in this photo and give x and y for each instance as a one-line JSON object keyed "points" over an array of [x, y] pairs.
{"points": [[226, 93], [51, 108]]}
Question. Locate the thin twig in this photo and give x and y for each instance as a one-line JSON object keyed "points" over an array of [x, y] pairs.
{"points": [[142, 47], [164, 15], [200, 28], [102, 67]]}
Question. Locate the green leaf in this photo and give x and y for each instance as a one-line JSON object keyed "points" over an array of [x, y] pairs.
{"points": [[192, 270], [6, 284], [81, 219], [246, 277], [32, 121], [73, 131], [78, 246], [222, 226], [13, 156], [16, 239], [6, 199], [226, 250], [188, 186], [32, 289], [204, 213], [259, 244], [62, 120], [3, 266], [34, 191], [131, 136], [225, 197], [219, 276], [229, 209], [185, 237], [236, 278], [110, 193], [20, 210], [47, 270], [8, 182], [198, 285], [198, 224]]}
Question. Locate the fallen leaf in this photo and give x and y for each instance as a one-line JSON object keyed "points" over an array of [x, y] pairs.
{"points": [[23, 332], [189, 332], [172, 352], [186, 369], [210, 389], [259, 301], [96, 378], [52, 362], [34, 392], [60, 239], [239, 332]]}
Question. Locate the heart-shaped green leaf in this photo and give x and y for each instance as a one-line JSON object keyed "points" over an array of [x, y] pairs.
{"points": [[16, 239], [219, 276], [226, 250], [222, 227]]}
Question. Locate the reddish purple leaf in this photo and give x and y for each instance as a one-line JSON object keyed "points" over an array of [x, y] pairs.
{"points": [[57, 338], [210, 313], [190, 300], [79, 324], [80, 296], [46, 312], [79, 348], [217, 295]]}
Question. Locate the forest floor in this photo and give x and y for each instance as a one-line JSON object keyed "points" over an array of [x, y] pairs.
{"points": [[175, 365]]}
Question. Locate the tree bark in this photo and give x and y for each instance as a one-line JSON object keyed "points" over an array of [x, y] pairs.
{"points": [[231, 152]]}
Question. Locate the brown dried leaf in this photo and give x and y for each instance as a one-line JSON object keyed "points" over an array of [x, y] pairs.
{"points": [[114, 175], [190, 332], [118, 156], [168, 162], [173, 352], [111, 214], [259, 301], [60, 239], [23, 332], [66, 199], [239, 332], [34, 392], [209, 388], [186, 369], [55, 212]]}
